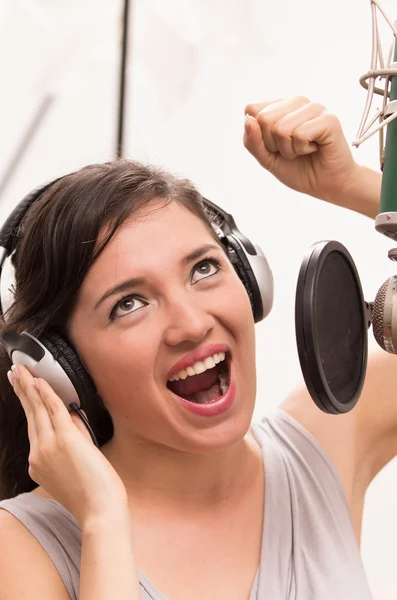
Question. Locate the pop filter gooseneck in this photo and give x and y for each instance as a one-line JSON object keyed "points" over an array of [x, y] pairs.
{"points": [[331, 320]]}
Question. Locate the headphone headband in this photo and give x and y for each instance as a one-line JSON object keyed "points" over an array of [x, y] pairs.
{"points": [[9, 231]]}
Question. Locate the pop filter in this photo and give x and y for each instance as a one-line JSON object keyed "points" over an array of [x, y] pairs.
{"points": [[331, 320]]}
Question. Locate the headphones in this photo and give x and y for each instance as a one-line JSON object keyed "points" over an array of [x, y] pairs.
{"points": [[51, 357]]}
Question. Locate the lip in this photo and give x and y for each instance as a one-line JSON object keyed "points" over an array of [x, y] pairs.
{"points": [[193, 357], [216, 408]]}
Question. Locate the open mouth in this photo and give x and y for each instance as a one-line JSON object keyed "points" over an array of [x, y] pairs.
{"points": [[205, 387]]}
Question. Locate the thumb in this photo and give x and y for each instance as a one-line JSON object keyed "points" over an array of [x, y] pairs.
{"points": [[254, 143], [79, 423]]}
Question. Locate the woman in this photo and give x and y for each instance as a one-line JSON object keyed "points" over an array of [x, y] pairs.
{"points": [[173, 498]]}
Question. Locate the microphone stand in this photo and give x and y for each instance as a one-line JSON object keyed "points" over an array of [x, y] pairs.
{"points": [[122, 80]]}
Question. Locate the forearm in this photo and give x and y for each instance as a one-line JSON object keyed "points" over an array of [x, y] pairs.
{"points": [[363, 195], [108, 568]]}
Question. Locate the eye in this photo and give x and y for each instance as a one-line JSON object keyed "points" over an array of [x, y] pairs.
{"points": [[205, 268], [126, 306]]}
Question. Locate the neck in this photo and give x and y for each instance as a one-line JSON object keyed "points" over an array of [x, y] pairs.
{"points": [[162, 475]]}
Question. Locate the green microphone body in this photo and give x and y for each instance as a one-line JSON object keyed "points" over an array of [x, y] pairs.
{"points": [[386, 221]]}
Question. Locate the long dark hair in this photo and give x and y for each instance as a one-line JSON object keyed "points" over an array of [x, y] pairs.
{"points": [[56, 244]]}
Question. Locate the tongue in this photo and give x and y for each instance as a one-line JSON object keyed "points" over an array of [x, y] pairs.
{"points": [[195, 383], [206, 396]]}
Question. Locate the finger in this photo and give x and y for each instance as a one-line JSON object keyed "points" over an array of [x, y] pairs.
{"points": [[289, 138], [253, 141], [32, 430], [42, 420], [321, 130], [255, 107], [269, 117], [81, 425], [57, 411]]}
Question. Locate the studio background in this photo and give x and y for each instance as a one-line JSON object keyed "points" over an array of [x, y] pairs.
{"points": [[193, 66]]}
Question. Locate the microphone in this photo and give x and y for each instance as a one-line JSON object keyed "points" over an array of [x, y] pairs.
{"points": [[384, 314], [331, 316], [386, 221]]}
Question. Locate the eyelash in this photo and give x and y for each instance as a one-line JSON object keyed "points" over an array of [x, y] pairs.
{"points": [[215, 262], [208, 259]]}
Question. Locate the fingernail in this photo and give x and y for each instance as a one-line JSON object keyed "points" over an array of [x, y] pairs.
{"points": [[10, 378], [247, 126], [15, 371]]}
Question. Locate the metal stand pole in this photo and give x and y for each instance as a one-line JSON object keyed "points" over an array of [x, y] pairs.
{"points": [[122, 80]]}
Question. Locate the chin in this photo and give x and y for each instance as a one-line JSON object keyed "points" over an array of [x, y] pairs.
{"points": [[216, 437]]}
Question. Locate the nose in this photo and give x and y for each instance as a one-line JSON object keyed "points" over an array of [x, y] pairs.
{"points": [[187, 322]]}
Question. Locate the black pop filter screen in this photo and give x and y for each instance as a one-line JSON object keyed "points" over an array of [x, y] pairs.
{"points": [[331, 327]]}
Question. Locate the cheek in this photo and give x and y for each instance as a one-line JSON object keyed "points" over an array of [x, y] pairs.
{"points": [[239, 319], [117, 364], [235, 306]]}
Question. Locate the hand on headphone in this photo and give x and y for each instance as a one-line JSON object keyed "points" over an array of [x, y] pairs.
{"points": [[302, 145], [63, 459]]}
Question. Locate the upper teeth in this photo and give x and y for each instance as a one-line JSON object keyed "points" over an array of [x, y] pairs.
{"points": [[199, 366]]}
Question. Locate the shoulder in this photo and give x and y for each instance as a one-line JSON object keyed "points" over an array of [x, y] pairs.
{"points": [[25, 567]]}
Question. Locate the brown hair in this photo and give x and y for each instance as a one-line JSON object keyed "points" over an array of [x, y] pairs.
{"points": [[57, 243]]}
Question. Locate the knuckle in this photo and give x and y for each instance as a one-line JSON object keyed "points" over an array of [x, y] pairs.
{"points": [[299, 135], [34, 460], [63, 442], [32, 474], [319, 107], [265, 118], [332, 120], [279, 129], [249, 108], [46, 452], [302, 99]]}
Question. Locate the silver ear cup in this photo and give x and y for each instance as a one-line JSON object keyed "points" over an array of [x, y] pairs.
{"points": [[264, 277], [384, 315], [7, 282], [25, 349]]}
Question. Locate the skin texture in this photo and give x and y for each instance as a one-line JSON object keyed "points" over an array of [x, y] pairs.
{"points": [[129, 358]]}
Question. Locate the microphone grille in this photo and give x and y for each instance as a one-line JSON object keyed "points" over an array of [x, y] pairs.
{"points": [[377, 314]]}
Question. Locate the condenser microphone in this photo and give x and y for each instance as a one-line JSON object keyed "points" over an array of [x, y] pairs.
{"points": [[384, 314], [386, 221], [331, 316], [384, 308]]}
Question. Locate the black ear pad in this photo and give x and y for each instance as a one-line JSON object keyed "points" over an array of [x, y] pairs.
{"points": [[67, 357], [245, 273], [99, 417]]}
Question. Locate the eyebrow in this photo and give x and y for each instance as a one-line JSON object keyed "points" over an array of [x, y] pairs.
{"points": [[141, 281]]}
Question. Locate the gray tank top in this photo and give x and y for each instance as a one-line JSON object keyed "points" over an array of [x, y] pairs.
{"points": [[309, 550]]}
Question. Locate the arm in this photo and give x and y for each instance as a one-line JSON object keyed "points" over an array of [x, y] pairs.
{"points": [[303, 145], [108, 567], [107, 562], [363, 194]]}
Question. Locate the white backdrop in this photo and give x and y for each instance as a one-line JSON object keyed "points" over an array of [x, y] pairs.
{"points": [[194, 65]]}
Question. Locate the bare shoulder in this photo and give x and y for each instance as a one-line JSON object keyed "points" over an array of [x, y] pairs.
{"points": [[26, 571]]}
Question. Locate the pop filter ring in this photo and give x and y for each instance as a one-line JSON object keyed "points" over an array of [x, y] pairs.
{"points": [[306, 332]]}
